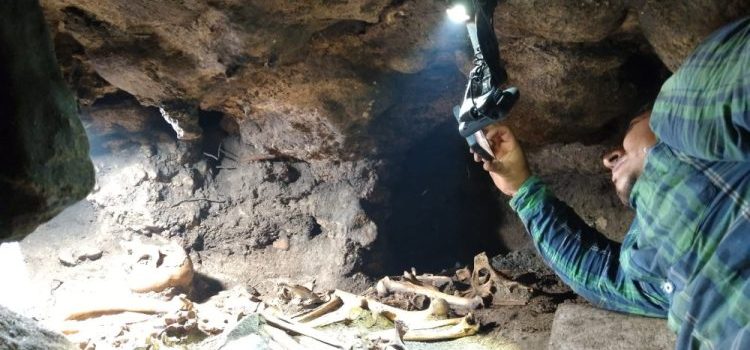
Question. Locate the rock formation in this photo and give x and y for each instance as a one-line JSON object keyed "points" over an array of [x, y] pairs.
{"points": [[299, 119], [45, 148]]}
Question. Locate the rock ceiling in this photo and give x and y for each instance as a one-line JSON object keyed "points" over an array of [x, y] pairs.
{"points": [[312, 78]]}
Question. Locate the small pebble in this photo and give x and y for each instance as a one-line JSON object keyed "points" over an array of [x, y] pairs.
{"points": [[281, 243]]}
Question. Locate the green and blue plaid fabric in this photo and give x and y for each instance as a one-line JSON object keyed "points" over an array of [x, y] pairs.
{"points": [[687, 253]]}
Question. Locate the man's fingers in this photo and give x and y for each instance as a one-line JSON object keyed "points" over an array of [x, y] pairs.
{"points": [[497, 131], [477, 158], [494, 166]]}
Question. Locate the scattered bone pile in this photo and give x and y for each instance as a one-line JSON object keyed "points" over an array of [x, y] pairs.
{"points": [[156, 312]]}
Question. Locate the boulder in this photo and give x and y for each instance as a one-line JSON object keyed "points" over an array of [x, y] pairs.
{"points": [[583, 327], [18, 332], [45, 148], [561, 20], [567, 90], [676, 27]]}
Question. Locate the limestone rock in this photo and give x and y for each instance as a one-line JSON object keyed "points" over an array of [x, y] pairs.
{"points": [[561, 20], [46, 165], [566, 89], [675, 28], [583, 327], [124, 116], [18, 332], [315, 80]]}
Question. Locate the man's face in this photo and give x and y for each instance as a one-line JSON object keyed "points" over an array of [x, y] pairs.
{"points": [[627, 163]]}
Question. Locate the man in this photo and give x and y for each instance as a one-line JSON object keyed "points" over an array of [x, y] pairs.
{"points": [[685, 170]]}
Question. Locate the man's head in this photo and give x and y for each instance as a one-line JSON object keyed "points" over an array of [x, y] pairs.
{"points": [[626, 162]]}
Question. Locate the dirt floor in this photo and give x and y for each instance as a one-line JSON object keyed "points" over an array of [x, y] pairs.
{"points": [[81, 229], [251, 227]]}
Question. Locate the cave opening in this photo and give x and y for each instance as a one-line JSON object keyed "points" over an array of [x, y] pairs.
{"points": [[442, 209]]}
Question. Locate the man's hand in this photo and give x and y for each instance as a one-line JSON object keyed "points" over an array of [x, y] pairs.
{"points": [[509, 169]]}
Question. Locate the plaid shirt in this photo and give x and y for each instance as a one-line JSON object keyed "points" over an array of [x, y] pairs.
{"points": [[686, 255]]}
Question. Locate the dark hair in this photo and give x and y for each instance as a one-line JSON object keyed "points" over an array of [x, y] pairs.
{"points": [[643, 109]]}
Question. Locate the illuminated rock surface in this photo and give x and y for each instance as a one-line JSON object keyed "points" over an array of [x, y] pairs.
{"points": [[19, 332]]}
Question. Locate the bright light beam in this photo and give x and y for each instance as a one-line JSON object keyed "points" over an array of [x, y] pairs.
{"points": [[458, 13]]}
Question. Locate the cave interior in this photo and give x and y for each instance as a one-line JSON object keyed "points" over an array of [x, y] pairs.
{"points": [[172, 165]]}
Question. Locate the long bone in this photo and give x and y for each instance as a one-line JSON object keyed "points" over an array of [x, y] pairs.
{"points": [[432, 331], [342, 303], [299, 328], [436, 281], [386, 286], [465, 327]]}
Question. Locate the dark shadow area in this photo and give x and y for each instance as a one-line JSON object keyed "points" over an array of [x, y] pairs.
{"points": [[442, 207], [117, 120], [204, 287], [213, 137]]}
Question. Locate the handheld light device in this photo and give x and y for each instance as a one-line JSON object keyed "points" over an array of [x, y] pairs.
{"points": [[484, 102]]}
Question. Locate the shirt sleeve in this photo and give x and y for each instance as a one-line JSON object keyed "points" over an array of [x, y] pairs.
{"points": [[703, 110], [583, 258]]}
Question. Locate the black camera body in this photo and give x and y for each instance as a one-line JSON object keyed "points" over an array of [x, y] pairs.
{"points": [[484, 101]]}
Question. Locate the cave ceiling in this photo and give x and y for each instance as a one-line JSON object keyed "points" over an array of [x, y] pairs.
{"points": [[331, 79]]}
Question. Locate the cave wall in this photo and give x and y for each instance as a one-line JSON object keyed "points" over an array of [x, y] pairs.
{"points": [[334, 116], [45, 151]]}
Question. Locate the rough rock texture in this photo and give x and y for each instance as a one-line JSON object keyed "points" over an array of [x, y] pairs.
{"points": [[319, 72], [236, 207], [675, 28], [321, 141], [583, 327], [18, 332], [561, 20], [45, 151], [580, 66]]}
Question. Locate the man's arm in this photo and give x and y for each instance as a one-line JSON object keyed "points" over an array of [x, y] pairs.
{"points": [[586, 260], [703, 110], [583, 258]]}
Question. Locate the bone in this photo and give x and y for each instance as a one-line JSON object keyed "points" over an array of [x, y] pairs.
{"points": [[71, 327], [281, 337], [465, 327], [155, 268], [299, 328], [341, 314], [108, 305], [337, 311], [443, 330], [502, 290], [386, 286], [321, 310], [427, 280], [313, 344]]}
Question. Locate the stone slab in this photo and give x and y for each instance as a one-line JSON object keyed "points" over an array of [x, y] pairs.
{"points": [[583, 327]]}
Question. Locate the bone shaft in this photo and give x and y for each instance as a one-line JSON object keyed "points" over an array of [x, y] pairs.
{"points": [[457, 331], [403, 287], [299, 329], [321, 310], [281, 337], [331, 318], [314, 344], [430, 324]]}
